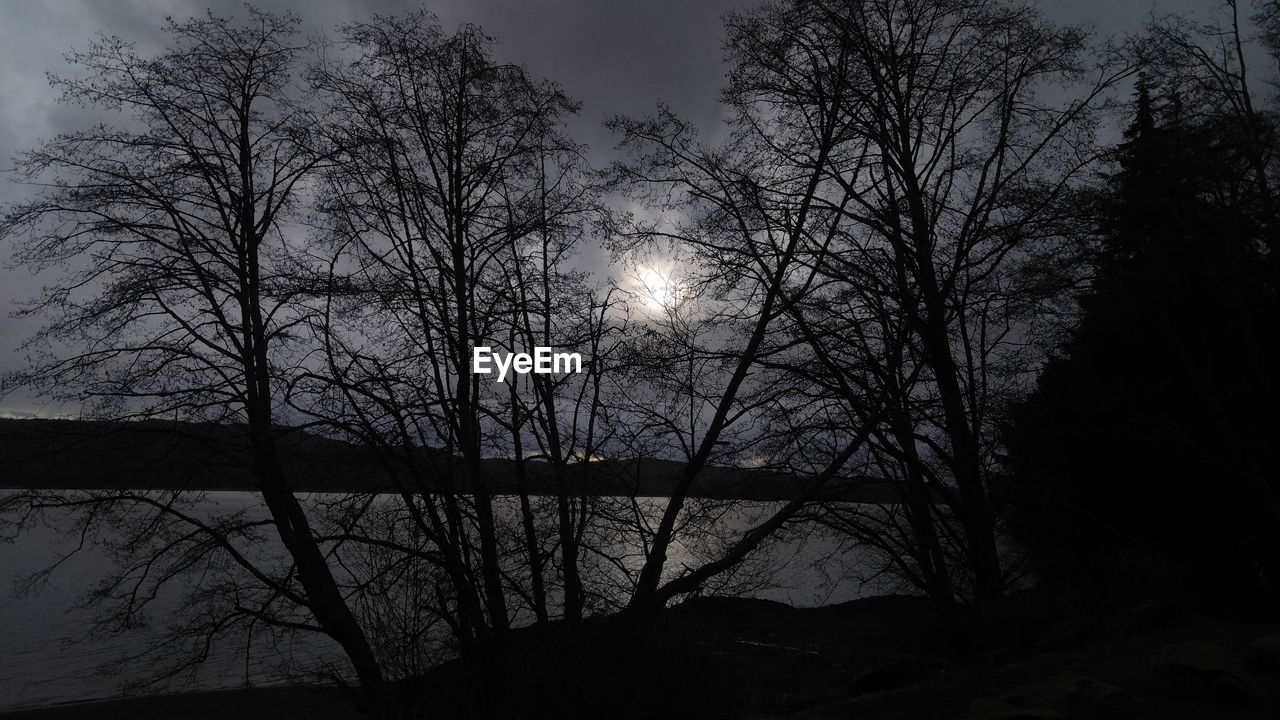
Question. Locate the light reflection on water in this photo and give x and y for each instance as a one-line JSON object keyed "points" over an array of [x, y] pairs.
{"points": [[50, 658]]}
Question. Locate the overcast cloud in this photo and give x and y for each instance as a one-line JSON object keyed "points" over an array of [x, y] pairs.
{"points": [[615, 56]]}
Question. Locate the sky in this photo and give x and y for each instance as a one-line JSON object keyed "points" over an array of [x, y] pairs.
{"points": [[615, 56]]}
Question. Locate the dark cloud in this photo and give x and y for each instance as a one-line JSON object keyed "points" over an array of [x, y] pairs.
{"points": [[616, 57]]}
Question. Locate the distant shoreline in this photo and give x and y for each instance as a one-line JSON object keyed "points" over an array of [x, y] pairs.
{"points": [[158, 456]]}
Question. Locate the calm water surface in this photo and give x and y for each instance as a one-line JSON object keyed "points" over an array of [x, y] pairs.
{"points": [[49, 656]]}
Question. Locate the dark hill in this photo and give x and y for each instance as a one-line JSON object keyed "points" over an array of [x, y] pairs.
{"points": [[155, 454]]}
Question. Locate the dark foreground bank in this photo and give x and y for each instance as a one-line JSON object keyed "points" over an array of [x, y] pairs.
{"points": [[316, 703], [875, 658]]}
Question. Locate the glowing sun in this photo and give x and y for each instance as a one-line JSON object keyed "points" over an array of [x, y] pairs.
{"points": [[658, 288]]}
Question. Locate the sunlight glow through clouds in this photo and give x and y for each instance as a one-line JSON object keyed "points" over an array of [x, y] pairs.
{"points": [[658, 288]]}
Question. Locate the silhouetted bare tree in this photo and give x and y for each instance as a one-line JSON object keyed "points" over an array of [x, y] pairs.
{"points": [[180, 274], [455, 209], [894, 167], [744, 218]]}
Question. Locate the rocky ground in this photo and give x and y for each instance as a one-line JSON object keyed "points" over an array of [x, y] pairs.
{"points": [[883, 657], [1204, 669]]}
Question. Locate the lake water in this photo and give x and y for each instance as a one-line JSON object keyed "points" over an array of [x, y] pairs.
{"points": [[50, 656]]}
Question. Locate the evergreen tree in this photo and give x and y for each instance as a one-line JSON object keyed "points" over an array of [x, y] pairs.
{"points": [[1144, 460]]}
